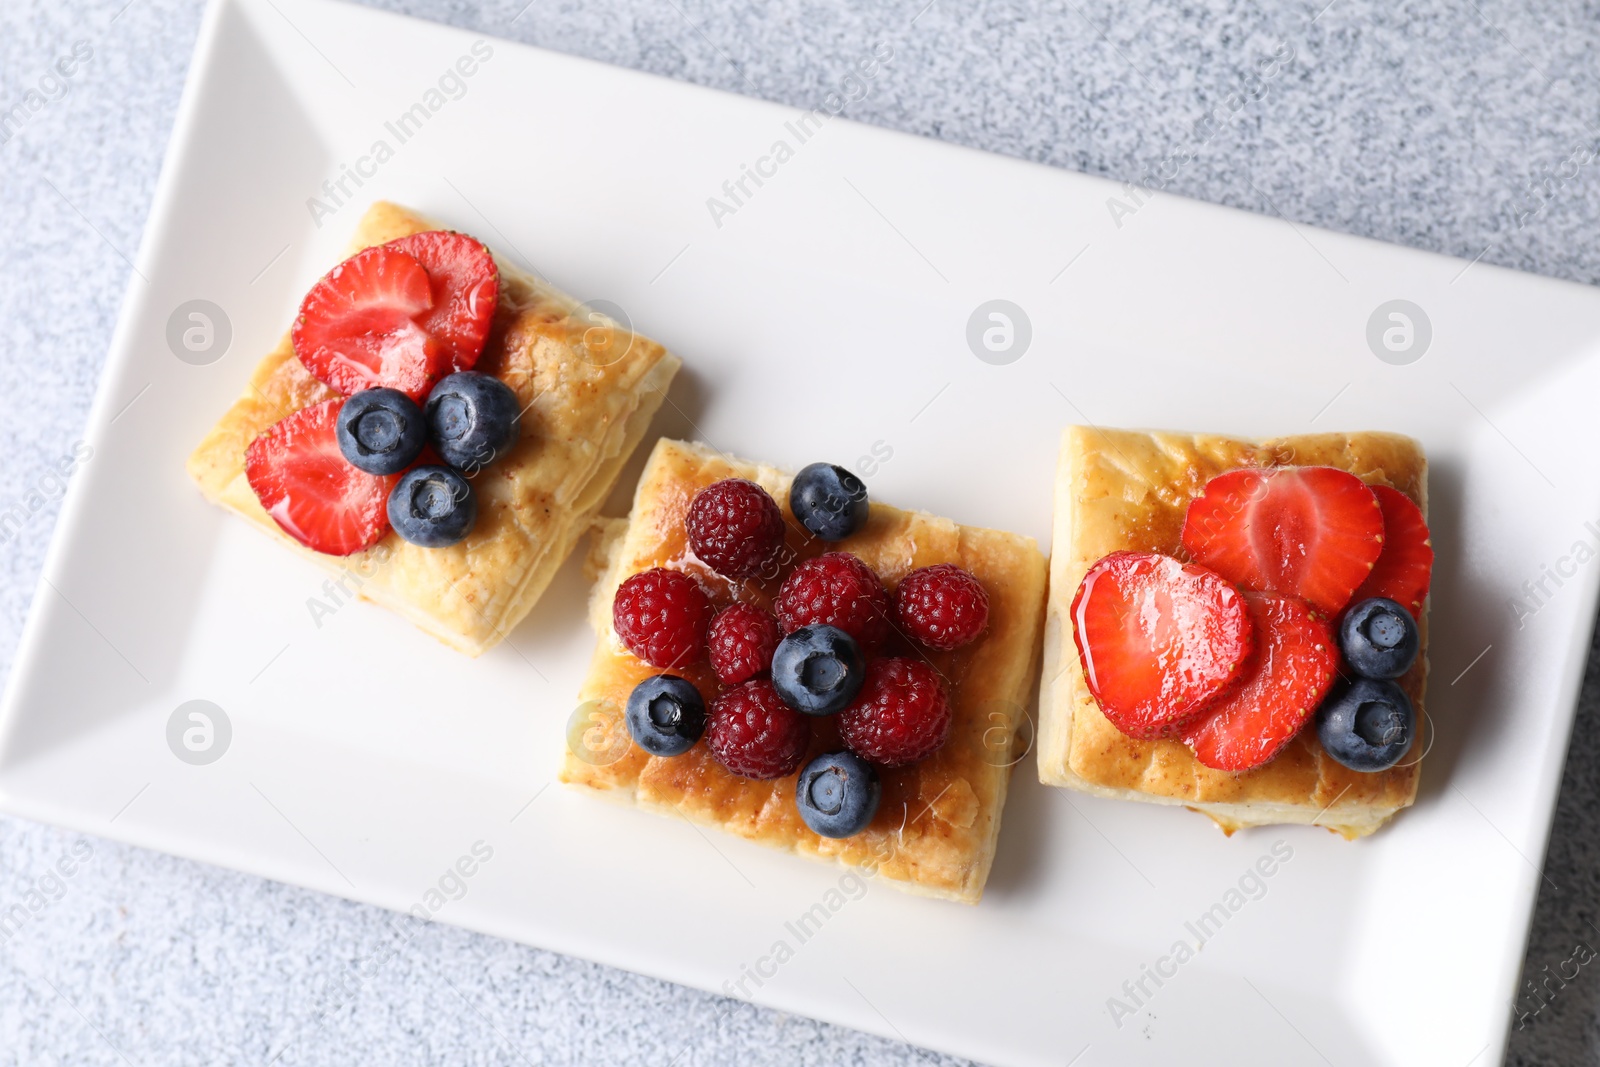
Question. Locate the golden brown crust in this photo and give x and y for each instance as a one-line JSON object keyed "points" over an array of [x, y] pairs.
{"points": [[585, 414], [936, 827], [1124, 489]]}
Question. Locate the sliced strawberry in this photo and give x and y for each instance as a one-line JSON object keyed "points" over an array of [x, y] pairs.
{"points": [[1405, 567], [466, 289], [1158, 639], [1286, 677], [357, 327], [1310, 532], [310, 489]]}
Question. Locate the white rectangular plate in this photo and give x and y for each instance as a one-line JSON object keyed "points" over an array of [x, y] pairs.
{"points": [[825, 317]]}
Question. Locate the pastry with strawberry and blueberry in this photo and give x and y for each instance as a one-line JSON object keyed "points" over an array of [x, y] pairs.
{"points": [[439, 421], [1239, 627], [814, 670]]}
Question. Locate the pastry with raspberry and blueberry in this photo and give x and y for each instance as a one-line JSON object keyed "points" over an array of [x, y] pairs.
{"points": [[862, 670], [438, 422]]}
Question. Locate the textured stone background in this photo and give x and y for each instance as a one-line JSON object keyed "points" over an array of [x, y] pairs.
{"points": [[1425, 123]]}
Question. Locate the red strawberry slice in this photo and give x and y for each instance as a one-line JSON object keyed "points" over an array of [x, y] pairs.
{"points": [[1405, 567], [1293, 665], [358, 328], [309, 488], [466, 290], [1158, 639], [1310, 532]]}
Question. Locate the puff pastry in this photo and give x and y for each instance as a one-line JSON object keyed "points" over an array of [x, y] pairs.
{"points": [[587, 408], [1124, 489], [937, 825]]}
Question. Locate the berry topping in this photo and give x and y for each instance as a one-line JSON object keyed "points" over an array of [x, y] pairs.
{"points": [[661, 616], [1367, 724], [942, 606], [837, 794], [1379, 638], [829, 501], [381, 431], [305, 484], [1285, 678], [666, 715], [357, 327], [755, 734], [1405, 566], [433, 506], [473, 420], [1310, 532], [818, 670], [735, 528], [1158, 639], [466, 288], [900, 716], [836, 589], [741, 643]]}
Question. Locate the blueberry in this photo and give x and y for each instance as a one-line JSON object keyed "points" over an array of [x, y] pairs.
{"points": [[829, 501], [1379, 639], [1367, 724], [666, 715], [818, 669], [838, 794], [432, 506], [473, 419], [381, 430]]}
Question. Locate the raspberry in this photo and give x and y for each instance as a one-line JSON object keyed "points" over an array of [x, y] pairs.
{"points": [[741, 644], [755, 734], [735, 528], [942, 606], [662, 615], [836, 589], [900, 716]]}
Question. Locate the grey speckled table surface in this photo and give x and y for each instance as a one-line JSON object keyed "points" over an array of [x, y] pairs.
{"points": [[1461, 126]]}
